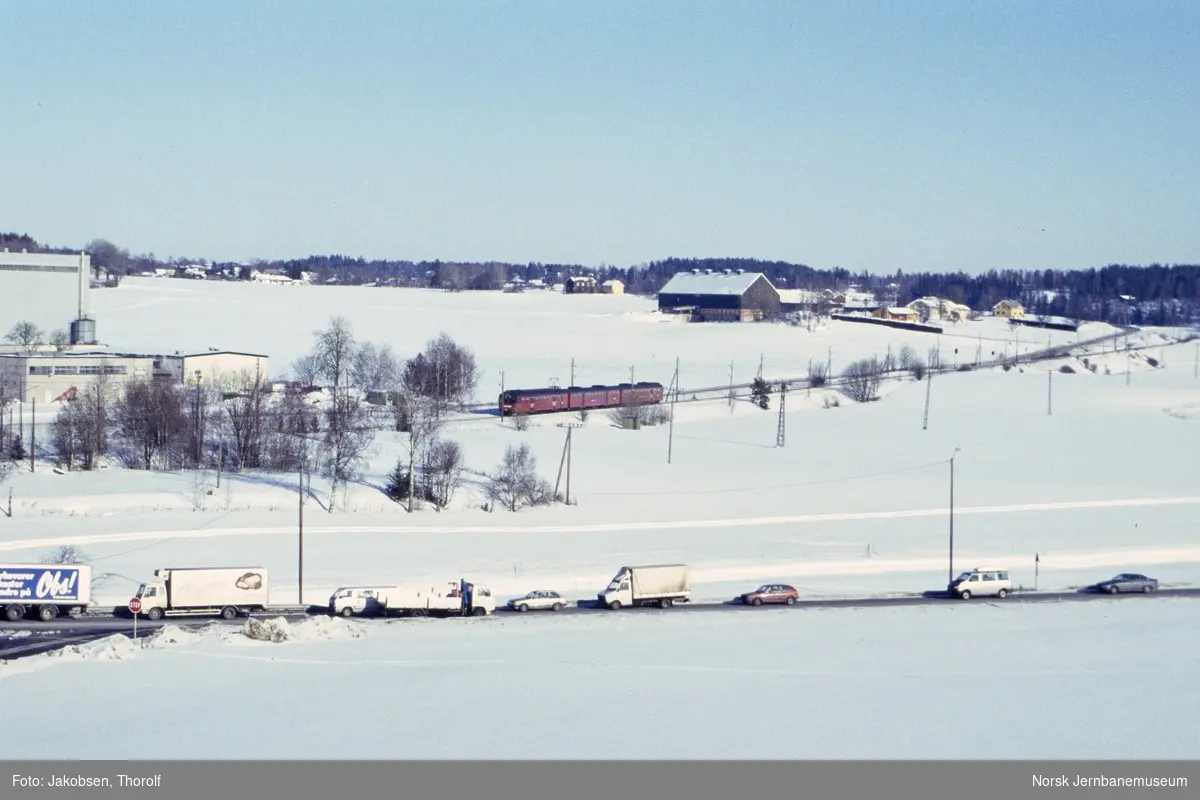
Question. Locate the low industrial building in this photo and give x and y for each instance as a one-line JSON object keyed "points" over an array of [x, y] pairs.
{"points": [[48, 376], [728, 296]]}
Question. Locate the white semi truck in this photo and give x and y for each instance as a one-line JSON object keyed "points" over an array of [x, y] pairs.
{"points": [[661, 585], [45, 590], [459, 598], [204, 591]]}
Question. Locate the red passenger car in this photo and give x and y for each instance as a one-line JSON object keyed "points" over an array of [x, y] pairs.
{"points": [[517, 402]]}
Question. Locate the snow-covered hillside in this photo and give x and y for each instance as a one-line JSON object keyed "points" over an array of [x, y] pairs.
{"points": [[856, 502]]}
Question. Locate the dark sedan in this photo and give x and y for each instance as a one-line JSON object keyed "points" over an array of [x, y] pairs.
{"points": [[1127, 582], [770, 593]]}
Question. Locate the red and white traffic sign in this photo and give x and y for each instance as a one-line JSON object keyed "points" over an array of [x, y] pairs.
{"points": [[135, 605]]}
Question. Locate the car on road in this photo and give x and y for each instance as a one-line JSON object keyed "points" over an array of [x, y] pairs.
{"points": [[1127, 582], [770, 593], [540, 600], [981, 582]]}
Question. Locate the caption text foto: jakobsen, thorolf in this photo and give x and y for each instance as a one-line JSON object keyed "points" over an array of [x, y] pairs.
{"points": [[83, 782]]}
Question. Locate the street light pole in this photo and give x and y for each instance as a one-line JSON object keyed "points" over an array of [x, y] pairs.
{"points": [[951, 565]]}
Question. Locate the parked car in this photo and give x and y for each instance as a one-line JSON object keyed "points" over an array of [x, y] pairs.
{"points": [[541, 600], [1127, 582], [770, 593]]}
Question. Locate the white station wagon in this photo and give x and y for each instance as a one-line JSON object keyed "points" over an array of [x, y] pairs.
{"points": [[542, 600]]}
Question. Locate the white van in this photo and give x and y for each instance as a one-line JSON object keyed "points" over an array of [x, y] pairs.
{"points": [[982, 582]]}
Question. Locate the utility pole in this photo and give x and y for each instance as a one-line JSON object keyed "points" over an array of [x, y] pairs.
{"points": [[220, 461], [731, 386], [33, 438], [779, 433], [671, 422], [928, 391], [300, 572], [566, 459], [760, 365], [1049, 392], [952, 455], [572, 383], [829, 365]]}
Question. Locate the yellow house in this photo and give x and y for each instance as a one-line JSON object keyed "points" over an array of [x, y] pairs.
{"points": [[1009, 308], [612, 287]]}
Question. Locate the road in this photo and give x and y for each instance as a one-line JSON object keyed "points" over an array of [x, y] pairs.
{"points": [[27, 638]]}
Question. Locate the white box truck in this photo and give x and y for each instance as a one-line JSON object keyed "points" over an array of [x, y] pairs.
{"points": [[662, 585], [458, 598], [44, 590], [204, 591]]}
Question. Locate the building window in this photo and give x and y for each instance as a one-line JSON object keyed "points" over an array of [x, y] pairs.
{"points": [[66, 370], [91, 370], [108, 370], [41, 371]]}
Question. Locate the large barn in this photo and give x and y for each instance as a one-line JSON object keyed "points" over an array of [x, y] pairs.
{"points": [[713, 296]]}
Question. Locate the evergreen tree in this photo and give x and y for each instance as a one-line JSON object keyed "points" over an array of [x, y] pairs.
{"points": [[760, 394]]}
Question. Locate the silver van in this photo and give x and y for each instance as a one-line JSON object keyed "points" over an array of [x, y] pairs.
{"points": [[982, 582]]}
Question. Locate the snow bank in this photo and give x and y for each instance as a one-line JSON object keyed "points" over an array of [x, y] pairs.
{"points": [[279, 630]]}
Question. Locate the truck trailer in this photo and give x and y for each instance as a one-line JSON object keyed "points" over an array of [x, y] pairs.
{"points": [[204, 591], [661, 585], [459, 598], [44, 590]]}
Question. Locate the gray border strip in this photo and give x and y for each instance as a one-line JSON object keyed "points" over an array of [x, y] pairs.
{"points": [[596, 780]]}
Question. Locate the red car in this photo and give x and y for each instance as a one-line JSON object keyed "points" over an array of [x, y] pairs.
{"points": [[771, 593]]}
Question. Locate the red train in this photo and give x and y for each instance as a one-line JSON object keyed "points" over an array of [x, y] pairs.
{"points": [[515, 402]]}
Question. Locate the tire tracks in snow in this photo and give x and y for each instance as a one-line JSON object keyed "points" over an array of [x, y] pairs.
{"points": [[609, 527]]}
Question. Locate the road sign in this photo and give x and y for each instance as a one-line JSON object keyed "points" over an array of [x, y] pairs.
{"points": [[135, 605]]}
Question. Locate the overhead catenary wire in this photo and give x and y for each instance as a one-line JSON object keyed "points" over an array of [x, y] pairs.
{"points": [[771, 487]]}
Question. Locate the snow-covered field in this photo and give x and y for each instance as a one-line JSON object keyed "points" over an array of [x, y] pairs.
{"points": [[855, 503], [1057, 681]]}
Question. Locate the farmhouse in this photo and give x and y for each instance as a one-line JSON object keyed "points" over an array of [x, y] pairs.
{"points": [[729, 296], [613, 286], [580, 284], [1009, 308], [898, 313], [931, 309]]}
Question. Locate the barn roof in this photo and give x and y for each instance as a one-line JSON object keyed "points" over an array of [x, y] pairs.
{"points": [[717, 283]]}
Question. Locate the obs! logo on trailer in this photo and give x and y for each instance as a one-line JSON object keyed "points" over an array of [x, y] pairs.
{"points": [[53, 584]]}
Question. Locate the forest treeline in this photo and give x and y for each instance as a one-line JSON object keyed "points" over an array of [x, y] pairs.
{"points": [[1154, 294]]}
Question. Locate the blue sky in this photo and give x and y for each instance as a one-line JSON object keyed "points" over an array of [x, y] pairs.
{"points": [[866, 135]]}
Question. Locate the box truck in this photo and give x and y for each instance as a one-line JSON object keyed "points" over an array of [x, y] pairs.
{"points": [[44, 590], [662, 585], [204, 591], [459, 598]]}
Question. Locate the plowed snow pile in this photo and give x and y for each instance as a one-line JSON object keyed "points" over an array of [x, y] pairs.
{"points": [[310, 630]]}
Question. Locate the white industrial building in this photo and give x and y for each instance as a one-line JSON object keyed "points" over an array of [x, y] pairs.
{"points": [[49, 290], [48, 376]]}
